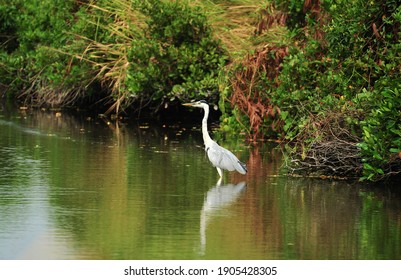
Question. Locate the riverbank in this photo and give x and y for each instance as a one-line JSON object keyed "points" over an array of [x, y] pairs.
{"points": [[322, 78]]}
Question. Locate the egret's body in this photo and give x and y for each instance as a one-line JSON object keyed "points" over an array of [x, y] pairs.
{"points": [[220, 157]]}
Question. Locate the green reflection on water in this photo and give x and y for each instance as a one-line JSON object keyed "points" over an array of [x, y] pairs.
{"points": [[84, 189]]}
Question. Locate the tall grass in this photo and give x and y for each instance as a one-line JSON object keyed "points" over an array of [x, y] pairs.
{"points": [[242, 25], [108, 53]]}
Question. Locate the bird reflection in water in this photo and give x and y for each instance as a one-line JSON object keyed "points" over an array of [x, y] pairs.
{"points": [[216, 199]]}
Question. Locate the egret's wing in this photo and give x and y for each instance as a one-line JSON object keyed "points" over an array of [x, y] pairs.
{"points": [[224, 159]]}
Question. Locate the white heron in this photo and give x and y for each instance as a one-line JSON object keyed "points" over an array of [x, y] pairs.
{"points": [[220, 157], [216, 199]]}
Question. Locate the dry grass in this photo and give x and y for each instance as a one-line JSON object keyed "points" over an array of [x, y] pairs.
{"points": [[242, 25], [110, 59], [250, 98]]}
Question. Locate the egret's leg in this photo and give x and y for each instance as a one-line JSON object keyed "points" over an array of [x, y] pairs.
{"points": [[220, 171]]}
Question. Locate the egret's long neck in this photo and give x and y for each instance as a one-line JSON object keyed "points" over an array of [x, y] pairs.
{"points": [[205, 133]]}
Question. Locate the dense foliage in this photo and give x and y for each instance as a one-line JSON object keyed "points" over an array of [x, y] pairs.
{"points": [[333, 93], [147, 52], [177, 57], [353, 71], [32, 51]]}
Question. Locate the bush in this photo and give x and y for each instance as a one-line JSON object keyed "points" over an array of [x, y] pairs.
{"points": [[381, 145], [149, 52], [177, 58], [371, 31], [33, 69], [337, 88]]}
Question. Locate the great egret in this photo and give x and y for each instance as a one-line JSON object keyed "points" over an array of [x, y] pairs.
{"points": [[220, 157]]}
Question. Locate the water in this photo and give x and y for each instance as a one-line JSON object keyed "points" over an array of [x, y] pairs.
{"points": [[82, 188]]}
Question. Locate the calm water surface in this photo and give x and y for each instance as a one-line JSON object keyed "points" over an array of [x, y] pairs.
{"points": [[81, 188]]}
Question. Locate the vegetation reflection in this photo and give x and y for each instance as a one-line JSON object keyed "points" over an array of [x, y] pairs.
{"points": [[147, 191]]}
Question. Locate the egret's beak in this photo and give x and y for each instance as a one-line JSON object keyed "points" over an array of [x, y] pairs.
{"points": [[188, 104]]}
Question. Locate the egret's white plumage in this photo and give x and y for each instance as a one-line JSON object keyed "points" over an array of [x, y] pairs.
{"points": [[220, 157]]}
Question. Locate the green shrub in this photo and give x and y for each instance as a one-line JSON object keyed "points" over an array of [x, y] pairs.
{"points": [[32, 30], [370, 31], [177, 57], [381, 145], [150, 52], [339, 85]]}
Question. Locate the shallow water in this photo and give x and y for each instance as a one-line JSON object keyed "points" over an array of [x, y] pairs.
{"points": [[82, 188]]}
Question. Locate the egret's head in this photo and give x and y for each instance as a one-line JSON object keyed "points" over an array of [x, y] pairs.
{"points": [[199, 104]]}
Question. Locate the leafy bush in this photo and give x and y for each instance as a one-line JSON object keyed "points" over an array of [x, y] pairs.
{"points": [[381, 145], [370, 30], [177, 57], [33, 68], [337, 89], [148, 52]]}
